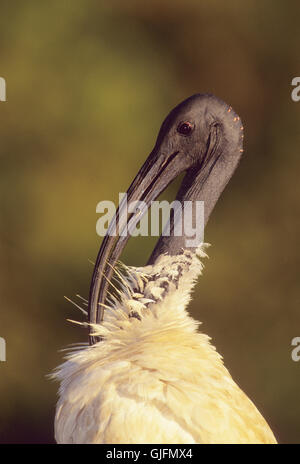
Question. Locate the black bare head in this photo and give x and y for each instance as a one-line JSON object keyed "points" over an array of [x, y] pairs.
{"points": [[202, 136]]}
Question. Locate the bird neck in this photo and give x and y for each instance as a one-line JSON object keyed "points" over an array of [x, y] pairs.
{"points": [[155, 294]]}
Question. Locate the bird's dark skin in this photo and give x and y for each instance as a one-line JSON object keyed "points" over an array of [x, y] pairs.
{"points": [[203, 137]]}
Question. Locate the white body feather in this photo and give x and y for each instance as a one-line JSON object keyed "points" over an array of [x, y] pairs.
{"points": [[154, 378]]}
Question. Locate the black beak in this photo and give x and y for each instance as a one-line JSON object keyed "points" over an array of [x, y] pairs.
{"points": [[152, 179], [209, 157]]}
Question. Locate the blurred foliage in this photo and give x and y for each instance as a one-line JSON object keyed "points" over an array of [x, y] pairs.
{"points": [[88, 84]]}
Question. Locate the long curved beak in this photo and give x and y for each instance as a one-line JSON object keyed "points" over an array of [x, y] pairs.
{"points": [[152, 179]]}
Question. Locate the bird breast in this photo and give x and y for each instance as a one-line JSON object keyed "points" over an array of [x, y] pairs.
{"points": [[154, 378]]}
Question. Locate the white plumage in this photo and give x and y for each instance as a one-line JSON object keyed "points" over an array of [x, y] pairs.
{"points": [[154, 378]]}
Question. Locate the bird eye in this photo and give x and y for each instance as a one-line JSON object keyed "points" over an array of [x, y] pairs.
{"points": [[185, 128]]}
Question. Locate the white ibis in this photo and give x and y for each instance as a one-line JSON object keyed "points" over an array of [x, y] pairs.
{"points": [[149, 375]]}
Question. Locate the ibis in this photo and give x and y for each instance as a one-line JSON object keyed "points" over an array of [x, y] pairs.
{"points": [[148, 374]]}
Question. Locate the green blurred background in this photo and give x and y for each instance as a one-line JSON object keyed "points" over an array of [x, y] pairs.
{"points": [[88, 85]]}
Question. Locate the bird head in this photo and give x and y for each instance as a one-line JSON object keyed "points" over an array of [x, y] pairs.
{"points": [[202, 137]]}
